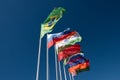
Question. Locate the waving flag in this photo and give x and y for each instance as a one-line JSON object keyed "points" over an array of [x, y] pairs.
{"points": [[67, 52], [68, 41], [74, 70], [52, 37], [75, 59], [48, 25]]}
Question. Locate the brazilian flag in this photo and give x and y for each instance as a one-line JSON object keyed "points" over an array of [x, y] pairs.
{"points": [[48, 25]]}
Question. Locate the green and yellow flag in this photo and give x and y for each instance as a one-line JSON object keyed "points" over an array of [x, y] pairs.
{"points": [[48, 25]]}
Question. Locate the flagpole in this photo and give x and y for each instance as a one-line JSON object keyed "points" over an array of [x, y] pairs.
{"points": [[60, 71], [47, 63], [64, 72], [38, 61], [56, 66], [59, 66], [70, 76]]}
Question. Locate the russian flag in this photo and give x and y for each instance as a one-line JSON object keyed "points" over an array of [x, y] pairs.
{"points": [[53, 38]]}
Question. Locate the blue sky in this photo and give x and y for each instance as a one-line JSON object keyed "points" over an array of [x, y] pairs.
{"points": [[97, 21]]}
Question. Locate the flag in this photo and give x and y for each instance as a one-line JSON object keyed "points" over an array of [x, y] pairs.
{"points": [[68, 41], [74, 70], [67, 52], [51, 37], [74, 59], [48, 25], [57, 39]]}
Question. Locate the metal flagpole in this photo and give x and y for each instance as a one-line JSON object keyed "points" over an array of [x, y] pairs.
{"points": [[60, 71], [38, 61], [56, 66], [70, 76], [47, 63], [59, 67], [64, 72]]}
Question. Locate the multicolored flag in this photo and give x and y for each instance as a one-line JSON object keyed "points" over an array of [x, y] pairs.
{"points": [[75, 59], [48, 25], [68, 41], [51, 38], [74, 70], [67, 52]]}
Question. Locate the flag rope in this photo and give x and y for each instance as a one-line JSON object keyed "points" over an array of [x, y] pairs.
{"points": [[56, 66], [47, 63], [38, 61], [64, 72]]}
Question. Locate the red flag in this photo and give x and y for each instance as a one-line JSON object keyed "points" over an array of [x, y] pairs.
{"points": [[67, 52]]}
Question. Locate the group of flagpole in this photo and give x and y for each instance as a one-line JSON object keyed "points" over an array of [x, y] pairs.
{"points": [[47, 64], [47, 27]]}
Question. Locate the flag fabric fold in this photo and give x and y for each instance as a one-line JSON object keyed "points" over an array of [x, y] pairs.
{"points": [[75, 59], [51, 38], [68, 41], [48, 25], [67, 52], [74, 70]]}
